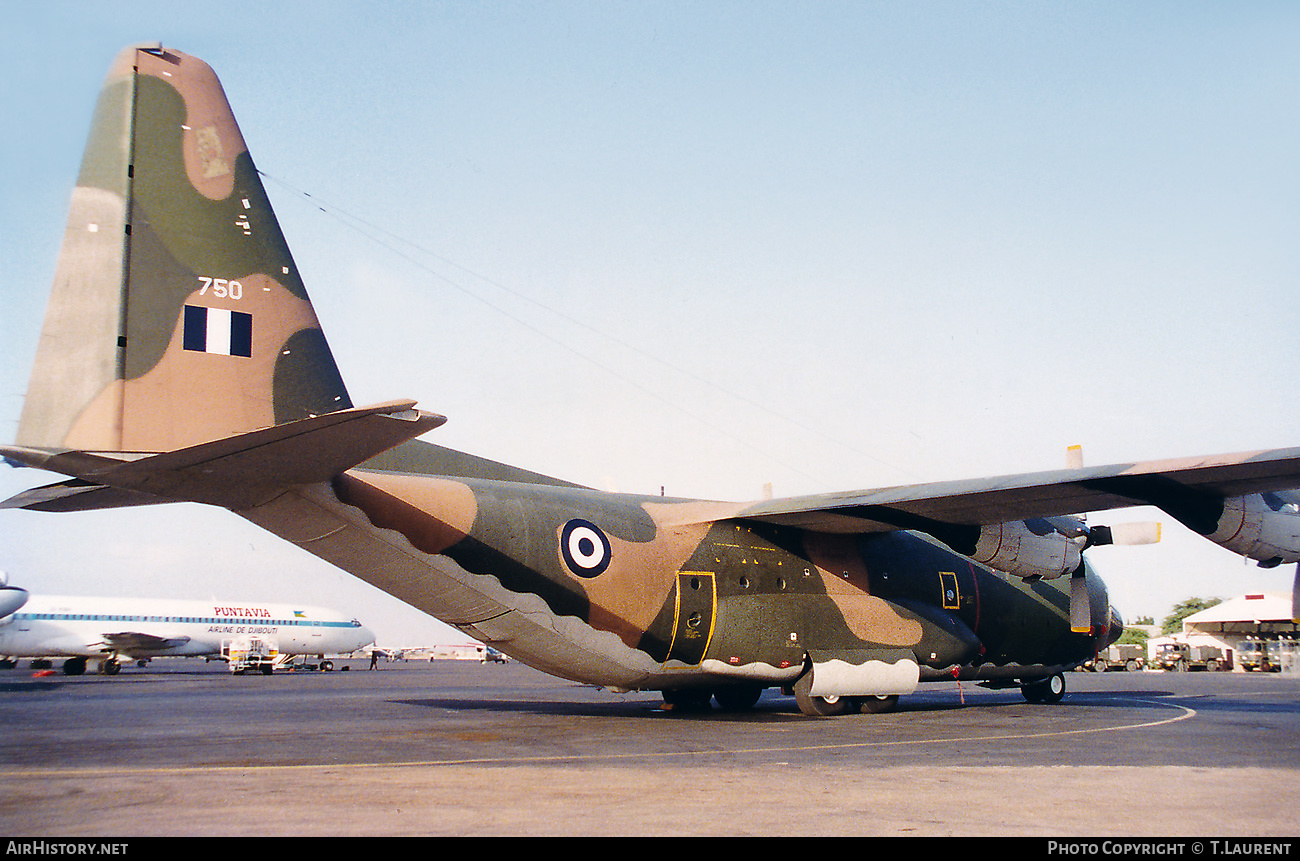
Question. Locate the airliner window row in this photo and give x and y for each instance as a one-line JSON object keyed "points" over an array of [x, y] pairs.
{"points": [[203, 620]]}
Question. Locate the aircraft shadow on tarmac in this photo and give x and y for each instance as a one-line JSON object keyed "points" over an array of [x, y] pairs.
{"points": [[776, 707]]}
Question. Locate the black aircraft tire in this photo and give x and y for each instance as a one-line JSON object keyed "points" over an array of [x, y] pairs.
{"points": [[737, 698], [74, 666], [687, 700], [819, 706], [1054, 688], [1048, 690]]}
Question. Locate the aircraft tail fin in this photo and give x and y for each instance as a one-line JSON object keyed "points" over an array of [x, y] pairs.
{"points": [[177, 315]]}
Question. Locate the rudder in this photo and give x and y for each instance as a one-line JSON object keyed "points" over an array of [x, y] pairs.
{"points": [[177, 315]]}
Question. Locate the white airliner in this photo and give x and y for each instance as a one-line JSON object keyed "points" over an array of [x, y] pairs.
{"points": [[112, 629]]}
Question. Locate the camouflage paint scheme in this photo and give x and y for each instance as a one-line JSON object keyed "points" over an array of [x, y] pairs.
{"points": [[181, 359]]}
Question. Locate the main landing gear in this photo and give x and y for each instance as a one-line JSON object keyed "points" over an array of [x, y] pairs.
{"points": [[739, 698], [109, 666], [835, 706], [1048, 690], [732, 698]]}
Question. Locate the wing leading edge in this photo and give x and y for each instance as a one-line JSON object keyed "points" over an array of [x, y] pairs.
{"points": [[1192, 490]]}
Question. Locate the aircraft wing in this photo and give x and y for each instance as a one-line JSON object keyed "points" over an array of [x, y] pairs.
{"points": [[135, 643], [1191, 489]]}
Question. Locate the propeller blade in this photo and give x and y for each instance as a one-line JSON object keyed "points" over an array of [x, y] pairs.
{"points": [[1074, 457], [1295, 595], [1080, 606], [1125, 534], [1147, 532]]}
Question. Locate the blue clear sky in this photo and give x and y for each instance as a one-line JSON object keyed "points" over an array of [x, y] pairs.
{"points": [[708, 246]]}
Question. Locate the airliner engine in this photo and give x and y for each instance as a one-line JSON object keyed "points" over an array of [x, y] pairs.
{"points": [[12, 599]]}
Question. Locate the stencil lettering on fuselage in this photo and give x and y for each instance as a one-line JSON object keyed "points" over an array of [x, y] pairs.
{"points": [[697, 598]]}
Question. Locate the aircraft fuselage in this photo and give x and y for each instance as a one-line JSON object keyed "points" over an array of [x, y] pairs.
{"points": [[661, 593]]}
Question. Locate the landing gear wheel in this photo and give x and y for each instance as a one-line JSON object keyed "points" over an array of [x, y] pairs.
{"points": [[818, 706], [74, 666], [878, 705], [737, 698], [1048, 690], [110, 667]]}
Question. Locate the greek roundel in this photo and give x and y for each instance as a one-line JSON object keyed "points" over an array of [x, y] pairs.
{"points": [[584, 547]]}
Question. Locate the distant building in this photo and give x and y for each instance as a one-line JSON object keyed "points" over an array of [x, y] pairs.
{"points": [[1234, 625], [456, 652]]}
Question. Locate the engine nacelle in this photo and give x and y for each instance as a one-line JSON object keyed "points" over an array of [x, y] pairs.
{"points": [[11, 600], [1261, 526], [1029, 548]]}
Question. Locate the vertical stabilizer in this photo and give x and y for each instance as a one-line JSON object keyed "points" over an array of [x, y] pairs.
{"points": [[177, 315]]}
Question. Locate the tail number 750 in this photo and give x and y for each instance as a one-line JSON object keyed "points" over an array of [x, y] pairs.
{"points": [[221, 288]]}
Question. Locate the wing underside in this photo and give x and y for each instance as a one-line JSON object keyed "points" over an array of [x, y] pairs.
{"points": [[137, 643]]}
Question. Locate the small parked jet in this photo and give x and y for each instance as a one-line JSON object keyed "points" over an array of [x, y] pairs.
{"points": [[111, 630], [181, 360]]}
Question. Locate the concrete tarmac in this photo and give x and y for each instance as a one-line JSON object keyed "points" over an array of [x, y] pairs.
{"points": [[458, 748]]}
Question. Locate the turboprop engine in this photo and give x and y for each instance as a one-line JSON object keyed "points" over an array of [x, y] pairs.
{"points": [[1262, 526], [1050, 547], [1031, 548]]}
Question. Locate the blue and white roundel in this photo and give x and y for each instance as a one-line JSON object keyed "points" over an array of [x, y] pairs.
{"points": [[584, 547]]}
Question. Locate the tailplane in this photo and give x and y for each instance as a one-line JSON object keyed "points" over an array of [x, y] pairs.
{"points": [[177, 315], [238, 472]]}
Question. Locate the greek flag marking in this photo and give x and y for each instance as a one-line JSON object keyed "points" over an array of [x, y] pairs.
{"points": [[217, 330]]}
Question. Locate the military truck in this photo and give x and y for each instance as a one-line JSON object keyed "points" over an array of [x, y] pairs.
{"points": [[1263, 656], [1181, 657], [1125, 656]]}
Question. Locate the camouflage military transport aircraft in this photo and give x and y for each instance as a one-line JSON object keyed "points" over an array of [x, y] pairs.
{"points": [[181, 360]]}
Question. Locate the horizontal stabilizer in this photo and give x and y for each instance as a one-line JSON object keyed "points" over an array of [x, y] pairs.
{"points": [[78, 495], [237, 472]]}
